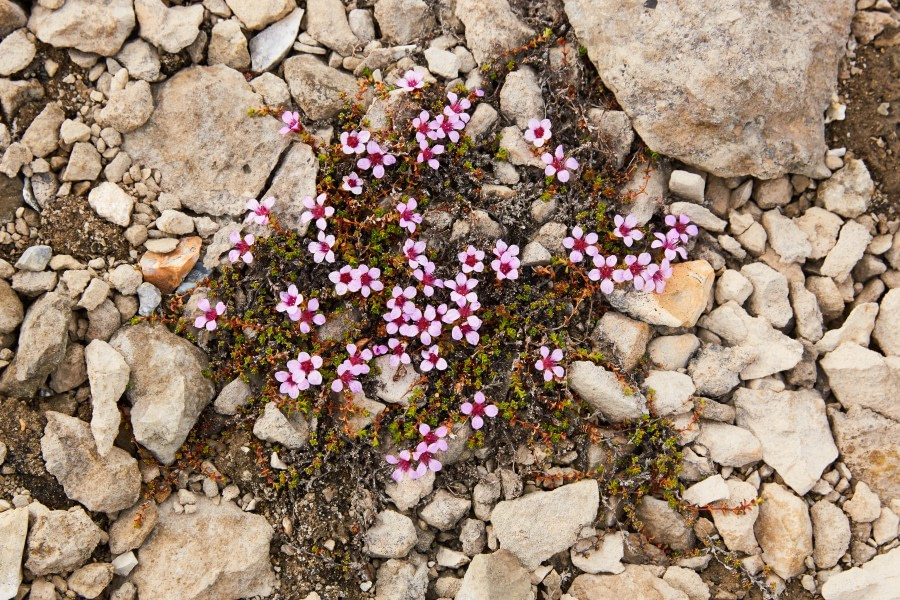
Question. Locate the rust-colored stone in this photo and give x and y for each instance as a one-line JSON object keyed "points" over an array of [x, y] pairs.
{"points": [[167, 271]]}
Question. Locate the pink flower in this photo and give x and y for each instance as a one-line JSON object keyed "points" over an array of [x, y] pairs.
{"points": [[404, 461], [682, 224], [478, 410], [446, 126], [358, 359], [670, 243], [549, 363], [397, 348], [420, 124], [307, 368], [408, 217], [401, 298], [210, 315], [341, 279], [396, 319], [655, 277], [290, 383], [353, 142], [507, 266], [634, 269], [461, 289], [425, 455], [424, 323], [500, 248], [431, 359], [352, 183], [413, 252], [310, 316], [411, 80], [458, 106], [377, 159], [241, 250], [471, 260], [468, 329], [290, 302], [425, 275], [291, 122], [323, 249], [538, 132], [626, 229], [435, 437], [346, 379], [558, 164], [259, 211], [379, 349], [427, 154], [580, 244], [365, 280], [316, 210], [448, 315], [468, 309], [604, 272]]}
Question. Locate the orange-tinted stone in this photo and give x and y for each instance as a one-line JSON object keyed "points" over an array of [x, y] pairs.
{"points": [[167, 271]]}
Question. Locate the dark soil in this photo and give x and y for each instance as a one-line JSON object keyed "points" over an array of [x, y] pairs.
{"points": [[70, 226]]}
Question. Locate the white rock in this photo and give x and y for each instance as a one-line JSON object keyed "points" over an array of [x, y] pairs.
{"points": [[807, 312], [443, 63], [793, 430], [403, 21], [700, 215], [124, 564], [711, 489], [689, 186], [16, 52], [492, 28], [688, 581], [857, 328], [637, 581], [497, 575], [627, 337], [878, 579], [864, 506], [736, 527], [108, 374], [445, 510], [60, 541], [770, 294], [89, 26], [787, 239], [607, 558], [291, 431], [112, 203], [271, 45], [256, 14], [603, 392], [520, 97], [821, 228], [784, 530], [848, 191], [671, 352], [228, 46], [831, 533], [850, 247], [884, 528], [175, 222], [851, 368], [728, 445], [772, 192], [13, 529], [672, 392], [392, 535], [172, 29], [886, 332], [732, 285], [141, 59]]}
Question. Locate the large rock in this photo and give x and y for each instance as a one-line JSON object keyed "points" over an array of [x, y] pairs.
{"points": [[793, 430], [11, 309], [492, 28], [886, 332], [272, 44], [228, 157], [497, 576], [627, 337], [320, 90], [728, 445], [256, 14], [11, 18], [637, 581], [664, 525], [870, 447], [61, 541], [392, 535], [99, 26], [784, 530], [294, 179], [168, 390], [171, 29], [878, 579], [326, 20], [108, 374], [128, 108], [102, 483], [13, 529], [604, 393], [731, 106], [680, 304], [217, 551], [775, 351], [672, 392], [537, 526], [851, 368]]}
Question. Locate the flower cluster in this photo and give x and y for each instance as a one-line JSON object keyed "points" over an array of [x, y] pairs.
{"points": [[557, 163]]}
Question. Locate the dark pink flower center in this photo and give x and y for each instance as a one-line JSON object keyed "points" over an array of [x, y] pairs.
{"points": [[539, 132], [505, 268], [262, 211], [477, 409], [307, 367], [471, 260], [636, 268], [242, 247], [430, 438], [365, 279], [606, 272], [352, 141], [347, 376], [447, 125], [624, 229], [579, 245], [376, 158], [345, 277], [324, 247], [318, 211], [211, 315], [465, 311], [427, 153]]}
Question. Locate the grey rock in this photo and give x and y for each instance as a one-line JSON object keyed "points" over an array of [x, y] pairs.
{"points": [[831, 533], [71, 372], [445, 510], [291, 431], [442, 63], [362, 24], [13, 529], [716, 370], [228, 46], [807, 312], [61, 541], [168, 390], [792, 82], [149, 297], [773, 192], [537, 526], [603, 392], [787, 239], [133, 526], [665, 525], [672, 392], [102, 483], [403, 21], [497, 576], [233, 396], [171, 29], [272, 88], [712, 489], [294, 179], [90, 26], [317, 88], [672, 352], [42, 341], [689, 186], [42, 136], [392, 535], [770, 294], [223, 169], [90, 580], [519, 151], [84, 163], [885, 333], [857, 328], [636, 581], [408, 492], [875, 579], [125, 279], [326, 21], [228, 546], [35, 258], [849, 191], [74, 131], [736, 527], [272, 44], [605, 558], [850, 247], [97, 291], [793, 430], [108, 373], [728, 445], [11, 18], [128, 108], [627, 337], [614, 133], [141, 59], [492, 28], [821, 228], [851, 368], [256, 14], [687, 581], [520, 97], [400, 579], [784, 530]]}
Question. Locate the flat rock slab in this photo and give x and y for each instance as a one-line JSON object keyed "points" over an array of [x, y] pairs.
{"points": [[227, 157], [734, 87]]}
